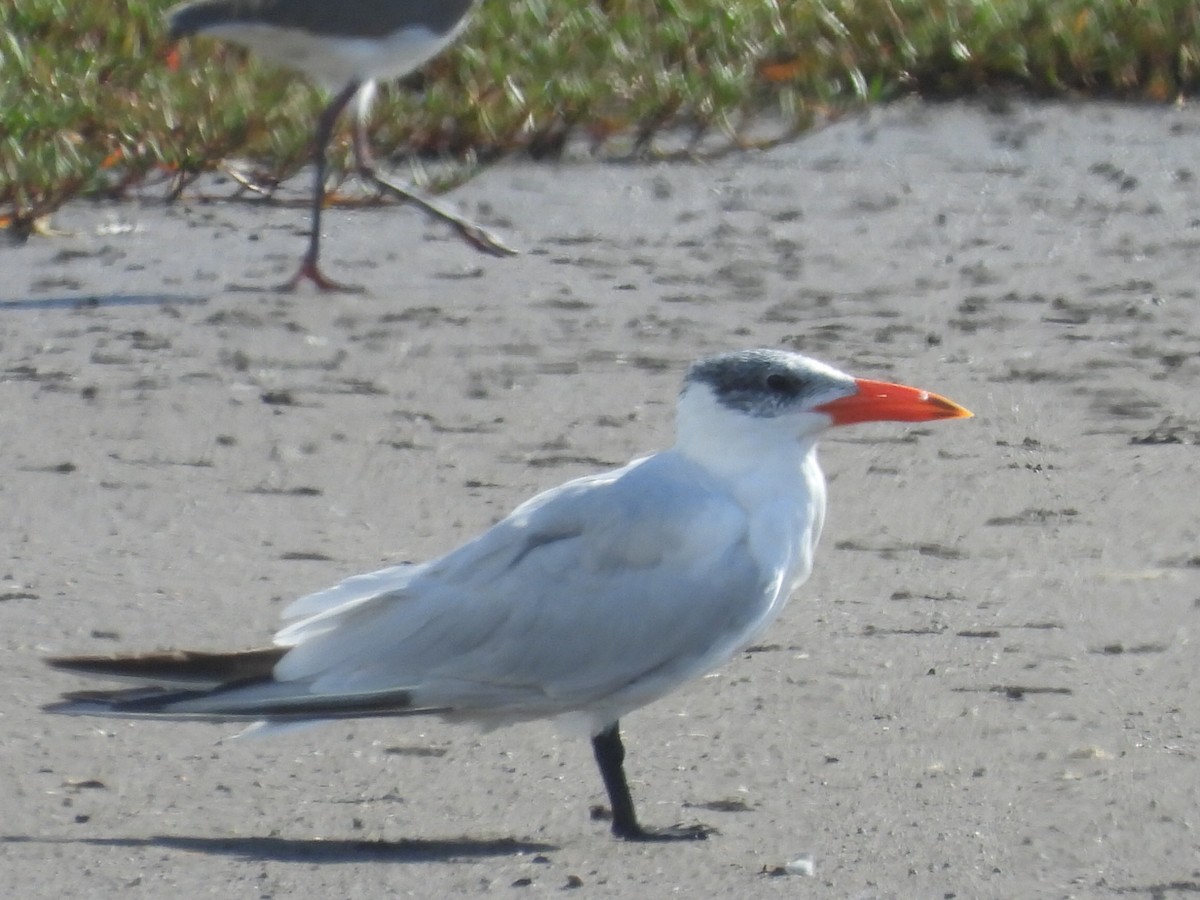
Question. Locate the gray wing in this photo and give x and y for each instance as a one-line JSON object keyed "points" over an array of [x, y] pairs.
{"points": [[630, 581], [332, 18]]}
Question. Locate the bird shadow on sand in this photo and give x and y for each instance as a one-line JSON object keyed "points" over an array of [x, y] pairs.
{"points": [[97, 301], [314, 850]]}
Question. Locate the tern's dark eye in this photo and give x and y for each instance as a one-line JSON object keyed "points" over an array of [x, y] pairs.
{"points": [[781, 385]]}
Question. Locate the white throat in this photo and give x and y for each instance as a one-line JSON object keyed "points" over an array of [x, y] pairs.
{"points": [[734, 445], [769, 464]]}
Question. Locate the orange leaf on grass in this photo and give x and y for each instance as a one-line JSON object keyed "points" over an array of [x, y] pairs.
{"points": [[776, 72]]}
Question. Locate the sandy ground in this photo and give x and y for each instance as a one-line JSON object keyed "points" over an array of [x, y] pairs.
{"points": [[986, 689]]}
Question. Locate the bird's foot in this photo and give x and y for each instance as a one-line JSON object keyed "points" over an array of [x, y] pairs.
{"points": [[632, 831], [311, 271], [482, 239], [471, 232], [697, 832]]}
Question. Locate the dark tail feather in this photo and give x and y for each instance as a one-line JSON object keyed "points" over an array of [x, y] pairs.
{"points": [[157, 703], [185, 684], [131, 703], [177, 668]]}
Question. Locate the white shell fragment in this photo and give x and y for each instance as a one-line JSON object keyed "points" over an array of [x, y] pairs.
{"points": [[801, 865]]}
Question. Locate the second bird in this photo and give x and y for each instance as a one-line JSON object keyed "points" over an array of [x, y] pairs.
{"points": [[345, 46]]}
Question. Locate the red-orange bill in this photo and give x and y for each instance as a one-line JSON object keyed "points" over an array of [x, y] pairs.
{"points": [[880, 401]]}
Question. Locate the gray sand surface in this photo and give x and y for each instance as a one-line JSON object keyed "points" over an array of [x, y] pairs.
{"points": [[985, 690]]}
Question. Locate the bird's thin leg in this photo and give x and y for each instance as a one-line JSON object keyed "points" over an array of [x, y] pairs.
{"points": [[610, 757], [309, 267], [474, 234]]}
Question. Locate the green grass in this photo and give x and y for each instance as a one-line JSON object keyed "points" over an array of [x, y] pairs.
{"points": [[89, 104]]}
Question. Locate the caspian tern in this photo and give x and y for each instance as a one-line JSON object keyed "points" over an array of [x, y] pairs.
{"points": [[588, 601]]}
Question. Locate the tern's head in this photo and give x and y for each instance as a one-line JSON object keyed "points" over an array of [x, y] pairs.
{"points": [[736, 401]]}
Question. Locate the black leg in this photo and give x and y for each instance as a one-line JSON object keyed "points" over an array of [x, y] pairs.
{"points": [[610, 757], [309, 266]]}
